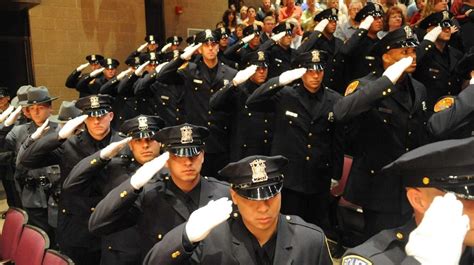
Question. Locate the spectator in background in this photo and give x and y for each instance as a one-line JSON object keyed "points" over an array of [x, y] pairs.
{"points": [[268, 25], [342, 14], [237, 35], [420, 5], [345, 30], [242, 15], [292, 13], [264, 9], [307, 21], [393, 19], [390, 3], [230, 19], [252, 17]]}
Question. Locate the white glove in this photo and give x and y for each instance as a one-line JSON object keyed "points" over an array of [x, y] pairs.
{"points": [[82, 67], [148, 170], [278, 36], [113, 149], [290, 76], [204, 219], [248, 38], [321, 25], [166, 47], [96, 72], [365, 24], [433, 34], [439, 237], [158, 67], [394, 71], [142, 47], [40, 131], [7, 112], [189, 51], [70, 126], [13, 116], [244, 75], [139, 71], [124, 73]]}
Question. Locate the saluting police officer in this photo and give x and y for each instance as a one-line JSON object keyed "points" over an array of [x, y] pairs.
{"points": [[249, 43], [107, 169], [223, 34], [439, 188], [280, 52], [157, 207], [93, 61], [255, 234], [90, 84], [66, 149], [304, 132]]}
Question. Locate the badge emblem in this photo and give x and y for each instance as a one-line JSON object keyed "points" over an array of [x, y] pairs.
{"points": [[93, 57], [186, 135], [408, 32], [261, 56], [444, 103], [94, 102], [258, 171], [109, 61], [208, 34], [351, 88], [315, 56], [445, 15], [142, 123]]}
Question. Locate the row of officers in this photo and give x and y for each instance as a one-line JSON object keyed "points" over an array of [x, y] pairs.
{"points": [[294, 114]]}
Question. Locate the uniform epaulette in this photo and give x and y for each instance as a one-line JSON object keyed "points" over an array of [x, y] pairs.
{"points": [[214, 180], [296, 220]]}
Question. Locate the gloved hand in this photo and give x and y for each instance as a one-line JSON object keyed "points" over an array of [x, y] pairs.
{"points": [[148, 170], [158, 67], [248, 38], [189, 51], [365, 24], [82, 67], [321, 25], [70, 126], [278, 36], [433, 34], [244, 75], [166, 47], [204, 219], [40, 131], [139, 71], [394, 71], [290, 76], [7, 112], [113, 149], [13, 117], [142, 47], [439, 237], [124, 73], [96, 72]]}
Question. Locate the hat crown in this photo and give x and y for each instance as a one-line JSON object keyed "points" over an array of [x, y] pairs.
{"points": [[38, 94], [68, 111]]}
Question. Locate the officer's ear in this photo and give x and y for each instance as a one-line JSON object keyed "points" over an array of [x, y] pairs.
{"points": [[233, 196], [417, 201]]}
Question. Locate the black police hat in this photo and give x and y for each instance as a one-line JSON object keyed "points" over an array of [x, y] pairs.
{"points": [[150, 39], [168, 56], [312, 60], [4, 92], [442, 18], [285, 26], [94, 58], [399, 38], [258, 58], [222, 32], [250, 29], [256, 177], [38, 95], [67, 111], [330, 14], [446, 165], [95, 105], [110, 63], [175, 40], [134, 61], [205, 36], [153, 57], [371, 9], [191, 39], [183, 140], [142, 126]]}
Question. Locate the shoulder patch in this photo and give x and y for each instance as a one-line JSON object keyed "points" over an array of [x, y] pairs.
{"points": [[184, 65], [351, 88], [355, 260], [444, 103]]}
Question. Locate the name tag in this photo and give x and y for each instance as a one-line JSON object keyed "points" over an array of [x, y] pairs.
{"points": [[385, 110], [433, 70], [197, 81], [165, 97], [278, 60], [292, 114]]}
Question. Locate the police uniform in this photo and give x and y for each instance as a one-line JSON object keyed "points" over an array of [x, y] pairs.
{"points": [[88, 85], [75, 76], [294, 241], [159, 206], [280, 58], [304, 132], [250, 132], [240, 49], [432, 166], [221, 33], [199, 83], [75, 207], [437, 69], [386, 120]]}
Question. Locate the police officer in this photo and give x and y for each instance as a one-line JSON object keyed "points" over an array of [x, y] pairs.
{"points": [[200, 81], [90, 84], [158, 206], [439, 187], [223, 34], [388, 114], [304, 132], [250, 132], [174, 42], [255, 234], [67, 149], [249, 43], [93, 61], [281, 54], [107, 169]]}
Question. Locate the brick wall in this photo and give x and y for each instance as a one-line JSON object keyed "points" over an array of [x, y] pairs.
{"points": [[63, 32]]}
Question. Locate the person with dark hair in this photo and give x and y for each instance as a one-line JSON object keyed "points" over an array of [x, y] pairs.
{"points": [[230, 19]]}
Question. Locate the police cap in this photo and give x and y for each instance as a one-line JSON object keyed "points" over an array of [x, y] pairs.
{"points": [[329, 14], [94, 58], [175, 40], [142, 126], [110, 63], [250, 29], [312, 60], [185, 140], [258, 58], [285, 26], [95, 105], [371, 9], [150, 39], [134, 61], [399, 38], [4, 92], [442, 19], [205, 36], [222, 32]]}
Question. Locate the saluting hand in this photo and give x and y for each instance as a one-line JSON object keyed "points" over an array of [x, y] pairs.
{"points": [[124, 73], [321, 25], [139, 71], [82, 67], [71, 126], [290, 76], [365, 24], [278, 36], [189, 51], [248, 38], [142, 47], [113, 149], [7, 112], [244, 75], [40, 131], [166, 47], [160, 66], [433, 34], [96, 72], [13, 117], [394, 71], [148, 170]]}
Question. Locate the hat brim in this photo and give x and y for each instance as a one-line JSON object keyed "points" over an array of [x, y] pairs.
{"points": [[315, 66], [27, 103], [96, 112], [55, 119], [142, 134], [185, 151], [261, 193], [463, 192]]}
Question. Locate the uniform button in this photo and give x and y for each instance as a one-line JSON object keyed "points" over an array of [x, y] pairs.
{"points": [[246, 107], [177, 119], [235, 215], [312, 122], [209, 123], [399, 236], [92, 209], [143, 100], [244, 145], [175, 254], [212, 90], [331, 79], [384, 93], [408, 149], [328, 129], [372, 171], [288, 217], [135, 108], [109, 247], [385, 120], [160, 236], [449, 83], [310, 134], [64, 210], [265, 141], [409, 117], [265, 121], [123, 194], [209, 112], [121, 117], [196, 88], [250, 114], [177, 109], [308, 158], [162, 103], [409, 133], [265, 131], [309, 146], [124, 98], [370, 64], [389, 90], [449, 92], [290, 122]]}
